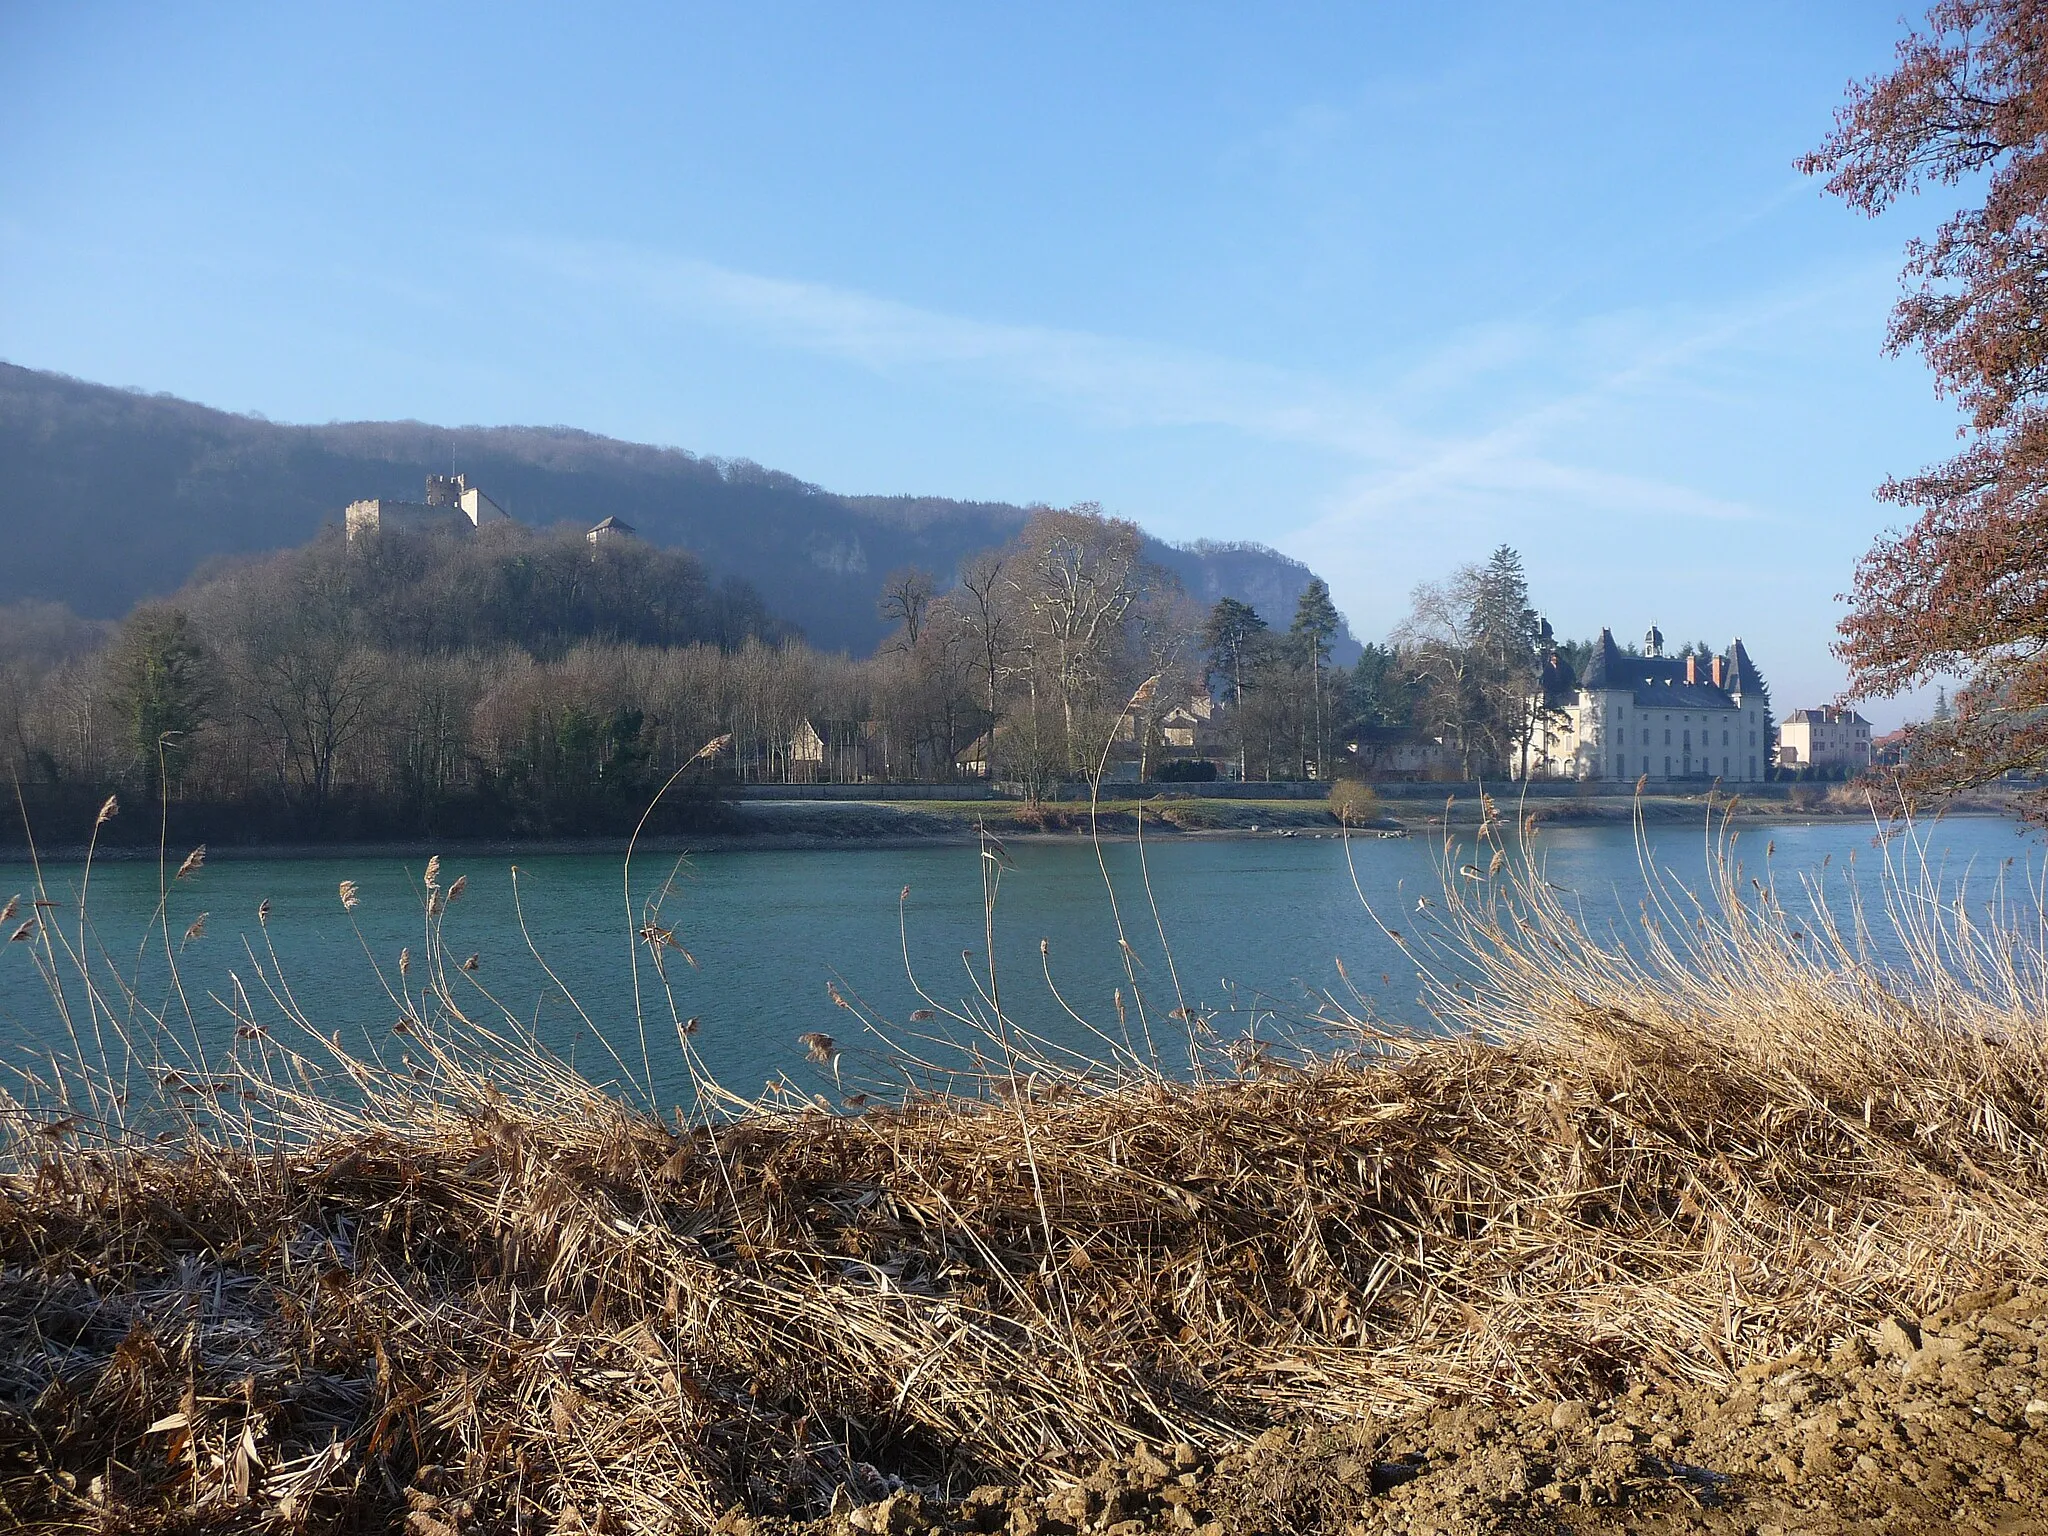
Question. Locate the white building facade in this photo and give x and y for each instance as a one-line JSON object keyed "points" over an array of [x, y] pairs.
{"points": [[1830, 737], [1665, 718]]}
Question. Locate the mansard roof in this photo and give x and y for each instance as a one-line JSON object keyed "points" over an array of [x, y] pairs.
{"points": [[1659, 682]]}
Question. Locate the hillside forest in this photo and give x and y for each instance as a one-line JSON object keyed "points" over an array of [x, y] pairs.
{"points": [[111, 496], [522, 682]]}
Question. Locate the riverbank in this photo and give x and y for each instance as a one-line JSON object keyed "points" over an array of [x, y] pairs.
{"points": [[1737, 1234], [764, 824], [523, 1322]]}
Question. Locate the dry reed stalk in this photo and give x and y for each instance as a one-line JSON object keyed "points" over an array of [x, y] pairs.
{"points": [[468, 1284]]}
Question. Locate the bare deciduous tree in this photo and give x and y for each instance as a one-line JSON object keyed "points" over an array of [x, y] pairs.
{"points": [[906, 597], [1077, 575]]}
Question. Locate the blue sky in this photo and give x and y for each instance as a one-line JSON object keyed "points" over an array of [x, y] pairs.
{"points": [[1383, 286]]}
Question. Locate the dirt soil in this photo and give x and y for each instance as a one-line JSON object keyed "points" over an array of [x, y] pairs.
{"points": [[1934, 1425]]}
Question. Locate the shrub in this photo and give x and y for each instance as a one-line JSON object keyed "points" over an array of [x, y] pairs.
{"points": [[1185, 770], [1354, 803]]}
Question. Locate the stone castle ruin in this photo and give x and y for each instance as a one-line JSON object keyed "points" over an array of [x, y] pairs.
{"points": [[452, 505]]}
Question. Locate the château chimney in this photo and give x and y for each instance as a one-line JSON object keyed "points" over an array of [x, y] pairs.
{"points": [[1692, 669], [1720, 674]]}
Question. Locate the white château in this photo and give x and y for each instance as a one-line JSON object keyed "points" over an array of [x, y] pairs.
{"points": [[1662, 717]]}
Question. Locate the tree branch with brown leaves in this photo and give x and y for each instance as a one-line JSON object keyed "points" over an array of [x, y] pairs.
{"points": [[1965, 589]]}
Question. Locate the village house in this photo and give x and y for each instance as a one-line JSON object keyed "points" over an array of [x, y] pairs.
{"points": [[1187, 729], [1826, 739], [1889, 750], [1188, 725], [976, 760], [1397, 752], [822, 751], [452, 505], [1655, 716]]}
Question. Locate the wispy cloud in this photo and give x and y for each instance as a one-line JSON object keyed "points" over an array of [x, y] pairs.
{"points": [[1516, 458], [1390, 463], [1110, 381]]}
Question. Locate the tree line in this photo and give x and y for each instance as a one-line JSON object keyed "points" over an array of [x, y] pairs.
{"points": [[530, 683]]}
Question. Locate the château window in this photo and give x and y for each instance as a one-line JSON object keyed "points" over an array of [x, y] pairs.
{"points": [[1667, 740]]}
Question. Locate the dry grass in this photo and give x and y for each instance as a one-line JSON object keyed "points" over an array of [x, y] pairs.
{"points": [[464, 1287]]}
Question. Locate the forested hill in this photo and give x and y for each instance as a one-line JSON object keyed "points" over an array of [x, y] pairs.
{"points": [[108, 496]]}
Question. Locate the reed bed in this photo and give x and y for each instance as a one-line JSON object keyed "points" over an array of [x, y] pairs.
{"points": [[448, 1284]]}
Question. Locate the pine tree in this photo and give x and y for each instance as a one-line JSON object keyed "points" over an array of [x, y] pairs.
{"points": [[1501, 623], [1373, 689], [1315, 621], [1503, 630], [1232, 630]]}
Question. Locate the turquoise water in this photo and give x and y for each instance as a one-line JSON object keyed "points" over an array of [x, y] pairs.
{"points": [[1256, 930]]}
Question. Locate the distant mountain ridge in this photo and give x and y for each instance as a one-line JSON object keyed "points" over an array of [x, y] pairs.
{"points": [[108, 496]]}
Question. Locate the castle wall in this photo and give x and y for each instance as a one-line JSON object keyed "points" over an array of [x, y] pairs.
{"points": [[453, 505], [365, 517], [480, 509]]}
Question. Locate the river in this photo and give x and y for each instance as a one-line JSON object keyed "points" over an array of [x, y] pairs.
{"points": [[1255, 929]]}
